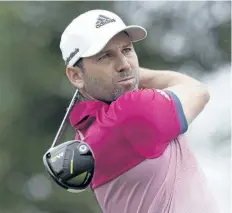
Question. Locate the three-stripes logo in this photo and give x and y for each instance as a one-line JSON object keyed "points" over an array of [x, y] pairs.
{"points": [[102, 20]]}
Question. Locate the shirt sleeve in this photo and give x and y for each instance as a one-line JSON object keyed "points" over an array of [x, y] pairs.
{"points": [[150, 119]]}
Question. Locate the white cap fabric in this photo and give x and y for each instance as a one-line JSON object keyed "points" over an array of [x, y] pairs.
{"points": [[88, 34]]}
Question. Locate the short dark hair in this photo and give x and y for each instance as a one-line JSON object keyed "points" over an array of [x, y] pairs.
{"points": [[79, 64]]}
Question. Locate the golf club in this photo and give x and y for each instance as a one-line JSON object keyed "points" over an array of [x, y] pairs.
{"points": [[71, 163]]}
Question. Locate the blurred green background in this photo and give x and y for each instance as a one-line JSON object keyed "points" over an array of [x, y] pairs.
{"points": [[189, 37]]}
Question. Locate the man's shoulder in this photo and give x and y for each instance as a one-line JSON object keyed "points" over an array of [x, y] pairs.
{"points": [[132, 105], [135, 94], [136, 98]]}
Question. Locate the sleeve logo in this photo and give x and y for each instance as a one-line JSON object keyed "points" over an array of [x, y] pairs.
{"points": [[163, 94]]}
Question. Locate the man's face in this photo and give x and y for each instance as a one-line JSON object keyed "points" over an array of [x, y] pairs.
{"points": [[113, 71]]}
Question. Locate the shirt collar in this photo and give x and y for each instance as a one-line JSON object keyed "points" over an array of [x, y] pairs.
{"points": [[83, 109]]}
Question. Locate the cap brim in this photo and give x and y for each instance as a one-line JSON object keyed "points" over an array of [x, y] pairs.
{"points": [[136, 33]]}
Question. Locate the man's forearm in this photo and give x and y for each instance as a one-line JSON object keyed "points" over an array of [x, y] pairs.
{"points": [[163, 79]]}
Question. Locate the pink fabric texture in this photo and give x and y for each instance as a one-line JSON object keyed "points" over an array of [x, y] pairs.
{"points": [[171, 183], [141, 164]]}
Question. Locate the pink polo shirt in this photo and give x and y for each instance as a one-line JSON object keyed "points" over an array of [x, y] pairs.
{"points": [[142, 163]]}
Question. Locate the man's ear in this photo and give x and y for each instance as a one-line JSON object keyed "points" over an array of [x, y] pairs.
{"points": [[75, 76]]}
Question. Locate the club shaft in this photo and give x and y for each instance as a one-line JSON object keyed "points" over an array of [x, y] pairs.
{"points": [[64, 122]]}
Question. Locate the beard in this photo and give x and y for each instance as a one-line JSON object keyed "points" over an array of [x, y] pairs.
{"points": [[117, 92], [98, 89]]}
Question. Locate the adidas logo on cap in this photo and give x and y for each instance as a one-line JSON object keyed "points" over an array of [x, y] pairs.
{"points": [[102, 20]]}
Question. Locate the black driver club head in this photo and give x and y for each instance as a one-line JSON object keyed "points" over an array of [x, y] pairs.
{"points": [[70, 164]]}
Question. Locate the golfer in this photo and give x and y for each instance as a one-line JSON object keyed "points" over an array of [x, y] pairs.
{"points": [[134, 119]]}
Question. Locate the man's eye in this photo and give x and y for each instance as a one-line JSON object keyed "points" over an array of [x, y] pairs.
{"points": [[103, 56], [126, 50]]}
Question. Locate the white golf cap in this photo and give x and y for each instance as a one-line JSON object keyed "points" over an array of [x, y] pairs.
{"points": [[88, 34]]}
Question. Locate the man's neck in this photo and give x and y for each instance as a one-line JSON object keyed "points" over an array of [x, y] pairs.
{"points": [[81, 98]]}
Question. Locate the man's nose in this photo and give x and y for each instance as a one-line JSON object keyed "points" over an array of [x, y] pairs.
{"points": [[122, 64]]}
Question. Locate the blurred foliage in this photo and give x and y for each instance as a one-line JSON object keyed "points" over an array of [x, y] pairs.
{"points": [[34, 91]]}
